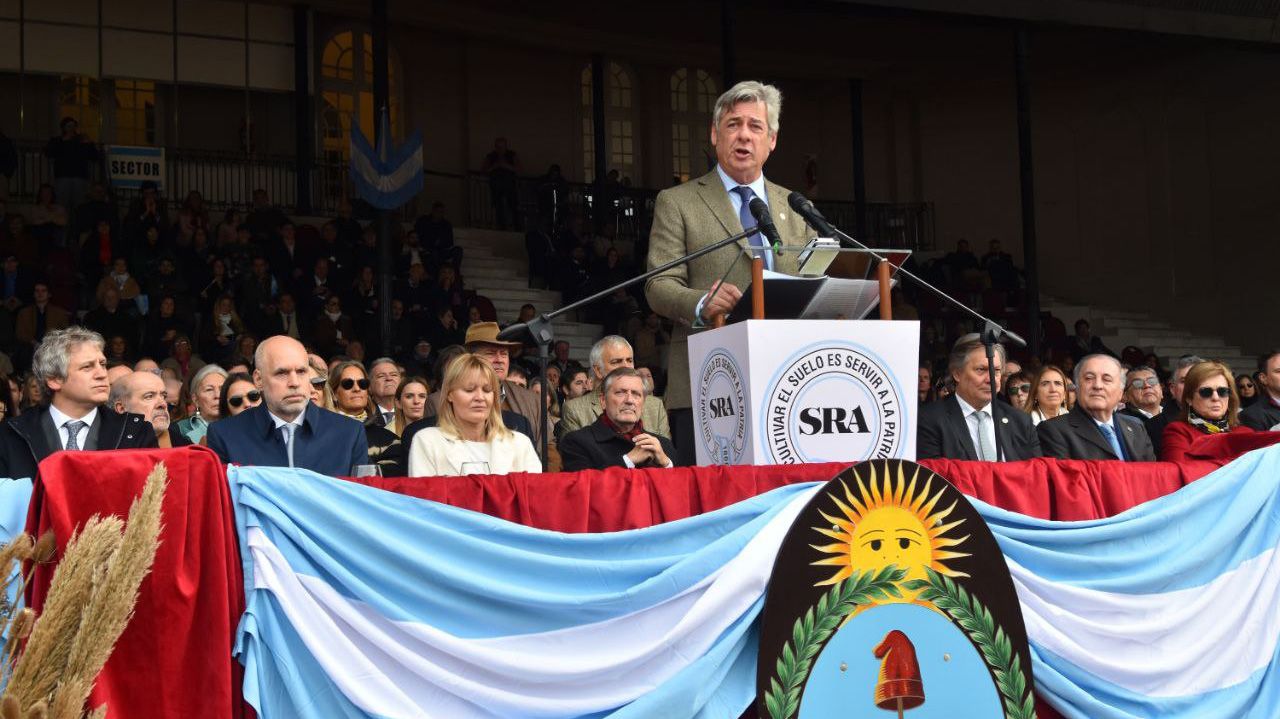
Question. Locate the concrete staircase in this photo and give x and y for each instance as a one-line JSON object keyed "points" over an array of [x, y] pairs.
{"points": [[1121, 328], [495, 265]]}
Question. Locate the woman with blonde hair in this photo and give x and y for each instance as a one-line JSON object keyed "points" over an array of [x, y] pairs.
{"points": [[1210, 405], [1048, 396], [320, 394], [469, 436]]}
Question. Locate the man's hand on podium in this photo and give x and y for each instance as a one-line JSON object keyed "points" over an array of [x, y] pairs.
{"points": [[719, 300]]}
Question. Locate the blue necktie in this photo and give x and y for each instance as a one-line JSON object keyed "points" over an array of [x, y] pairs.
{"points": [[1116, 445], [749, 220]]}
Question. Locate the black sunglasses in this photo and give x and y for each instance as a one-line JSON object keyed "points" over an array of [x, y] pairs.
{"points": [[1208, 392], [318, 382], [348, 383], [251, 395]]}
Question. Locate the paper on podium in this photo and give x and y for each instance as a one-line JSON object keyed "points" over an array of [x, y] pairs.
{"points": [[811, 298]]}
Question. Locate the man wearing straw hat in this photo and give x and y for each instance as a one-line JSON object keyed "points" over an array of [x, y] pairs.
{"points": [[482, 339]]}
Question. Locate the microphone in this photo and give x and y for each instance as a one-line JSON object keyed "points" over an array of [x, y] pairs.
{"points": [[803, 207], [764, 222]]}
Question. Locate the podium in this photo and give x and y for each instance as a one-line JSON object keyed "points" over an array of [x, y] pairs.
{"points": [[793, 391]]}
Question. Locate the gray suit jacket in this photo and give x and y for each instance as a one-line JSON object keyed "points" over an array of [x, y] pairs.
{"points": [[685, 218]]}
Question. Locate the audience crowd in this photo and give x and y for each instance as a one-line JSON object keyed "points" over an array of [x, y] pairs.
{"points": [[245, 321]]}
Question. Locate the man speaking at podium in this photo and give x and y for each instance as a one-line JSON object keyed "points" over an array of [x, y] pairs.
{"points": [[744, 130]]}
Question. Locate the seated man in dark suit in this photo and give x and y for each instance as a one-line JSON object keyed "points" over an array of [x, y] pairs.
{"points": [[617, 438], [962, 426], [70, 364], [1093, 429], [1264, 414], [287, 430]]}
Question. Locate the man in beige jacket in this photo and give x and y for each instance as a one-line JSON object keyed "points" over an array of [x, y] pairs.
{"points": [[607, 355], [703, 211]]}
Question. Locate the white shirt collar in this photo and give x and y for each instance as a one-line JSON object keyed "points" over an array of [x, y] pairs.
{"points": [[730, 183], [297, 421], [966, 409], [60, 418]]}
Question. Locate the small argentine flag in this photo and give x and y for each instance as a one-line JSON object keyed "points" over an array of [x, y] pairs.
{"points": [[389, 176]]}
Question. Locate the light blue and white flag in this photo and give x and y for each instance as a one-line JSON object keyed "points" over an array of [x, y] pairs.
{"points": [[365, 603], [386, 177], [1171, 609]]}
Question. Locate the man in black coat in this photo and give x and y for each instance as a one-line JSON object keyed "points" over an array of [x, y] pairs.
{"points": [[1093, 429], [1144, 397], [73, 369], [617, 438], [1264, 414], [962, 426]]}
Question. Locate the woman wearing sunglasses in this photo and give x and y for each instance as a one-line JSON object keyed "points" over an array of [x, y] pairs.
{"points": [[320, 394], [1247, 390], [238, 394], [1017, 389], [349, 384], [1209, 407]]}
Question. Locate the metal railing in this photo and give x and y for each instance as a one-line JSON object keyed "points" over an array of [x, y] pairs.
{"points": [[227, 181]]}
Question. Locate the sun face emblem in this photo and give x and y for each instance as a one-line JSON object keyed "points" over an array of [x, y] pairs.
{"points": [[893, 524]]}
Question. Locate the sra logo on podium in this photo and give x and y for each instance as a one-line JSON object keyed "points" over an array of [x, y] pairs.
{"points": [[722, 410], [833, 402]]}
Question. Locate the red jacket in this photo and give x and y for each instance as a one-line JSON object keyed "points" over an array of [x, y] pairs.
{"points": [[1182, 441]]}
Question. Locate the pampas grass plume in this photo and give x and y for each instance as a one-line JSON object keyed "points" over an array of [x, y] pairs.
{"points": [[90, 602]]}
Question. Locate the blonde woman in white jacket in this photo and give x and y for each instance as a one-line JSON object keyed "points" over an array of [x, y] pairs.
{"points": [[469, 436]]}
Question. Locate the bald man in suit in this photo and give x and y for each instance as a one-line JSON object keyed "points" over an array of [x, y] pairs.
{"points": [[704, 211]]}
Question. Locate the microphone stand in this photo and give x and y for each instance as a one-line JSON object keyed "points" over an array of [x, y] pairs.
{"points": [[540, 332], [992, 331]]}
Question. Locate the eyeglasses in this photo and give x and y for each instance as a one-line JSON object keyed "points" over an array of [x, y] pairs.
{"points": [[317, 382], [348, 383], [1140, 383], [1208, 392], [1020, 388], [253, 396], [1244, 385]]}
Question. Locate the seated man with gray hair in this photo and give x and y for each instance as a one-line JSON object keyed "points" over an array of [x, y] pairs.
{"points": [[71, 367], [608, 354], [962, 426], [618, 437], [1093, 429]]}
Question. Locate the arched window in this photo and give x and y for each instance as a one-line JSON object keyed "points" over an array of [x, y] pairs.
{"points": [[619, 119], [346, 92], [80, 97], [693, 96]]}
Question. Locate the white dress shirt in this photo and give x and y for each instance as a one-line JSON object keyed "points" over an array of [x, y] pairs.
{"points": [[60, 420], [971, 421]]}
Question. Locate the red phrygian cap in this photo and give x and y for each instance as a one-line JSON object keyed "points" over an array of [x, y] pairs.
{"points": [[899, 673]]}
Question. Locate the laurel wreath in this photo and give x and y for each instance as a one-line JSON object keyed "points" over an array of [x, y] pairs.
{"points": [[812, 630], [975, 619]]}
